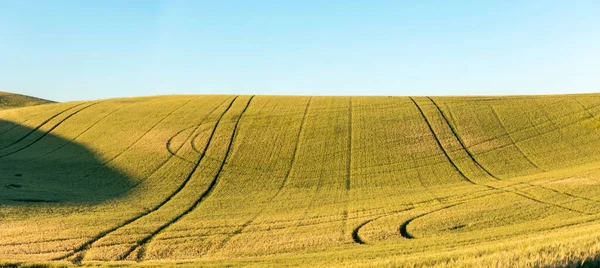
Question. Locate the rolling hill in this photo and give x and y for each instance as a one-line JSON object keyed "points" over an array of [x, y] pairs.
{"points": [[11, 100], [219, 180]]}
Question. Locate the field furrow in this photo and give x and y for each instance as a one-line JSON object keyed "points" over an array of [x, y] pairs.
{"points": [[141, 243], [44, 134], [215, 180], [104, 234], [37, 127]]}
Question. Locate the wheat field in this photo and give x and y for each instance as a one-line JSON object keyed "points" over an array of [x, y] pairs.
{"points": [[216, 180]]}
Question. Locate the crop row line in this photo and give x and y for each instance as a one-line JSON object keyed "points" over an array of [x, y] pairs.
{"points": [[45, 133], [86, 130], [33, 130], [533, 126], [465, 148], [141, 243], [102, 234], [348, 169], [496, 188], [439, 143], [170, 141], [174, 153], [404, 233], [126, 149], [479, 165], [29, 117], [403, 227], [243, 227], [457, 202], [513, 141], [460, 140]]}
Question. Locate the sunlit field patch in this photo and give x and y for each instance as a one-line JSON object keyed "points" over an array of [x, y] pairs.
{"points": [[218, 180]]}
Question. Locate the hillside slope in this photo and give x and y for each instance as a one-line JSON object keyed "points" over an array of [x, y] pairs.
{"points": [[254, 180], [12, 100]]}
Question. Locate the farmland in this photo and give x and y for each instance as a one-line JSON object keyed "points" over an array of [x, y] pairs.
{"points": [[10, 100], [292, 180]]}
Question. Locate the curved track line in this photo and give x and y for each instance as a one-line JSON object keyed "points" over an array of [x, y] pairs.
{"points": [[138, 139], [588, 110], [359, 240], [243, 227], [87, 129], [532, 127], [513, 140], [88, 243], [402, 229], [164, 162], [462, 144], [40, 125], [47, 132], [196, 128], [174, 152], [265, 229], [484, 185], [20, 123], [439, 143], [355, 235], [193, 142], [205, 194], [460, 141]]}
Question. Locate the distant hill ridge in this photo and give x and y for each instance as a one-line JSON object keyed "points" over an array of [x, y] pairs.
{"points": [[11, 100]]}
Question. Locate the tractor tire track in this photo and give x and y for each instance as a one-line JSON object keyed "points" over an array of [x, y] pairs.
{"points": [[164, 162], [462, 144], [348, 170], [193, 140], [289, 223], [533, 126], [403, 227], [47, 132], [439, 144], [243, 227], [349, 158], [175, 152], [141, 243], [484, 185], [100, 166], [87, 129], [513, 140], [359, 240], [21, 122], [460, 141], [89, 243], [588, 110], [40, 125], [193, 143], [355, 233]]}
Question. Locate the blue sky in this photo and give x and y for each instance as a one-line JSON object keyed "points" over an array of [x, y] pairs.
{"points": [[75, 50]]}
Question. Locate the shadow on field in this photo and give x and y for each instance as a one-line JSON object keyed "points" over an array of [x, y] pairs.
{"points": [[589, 262], [37, 167]]}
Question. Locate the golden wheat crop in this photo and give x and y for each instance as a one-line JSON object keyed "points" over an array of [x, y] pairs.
{"points": [[219, 180]]}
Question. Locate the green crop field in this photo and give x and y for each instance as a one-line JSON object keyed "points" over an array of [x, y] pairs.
{"points": [[215, 180]]}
